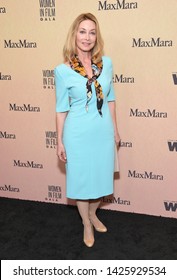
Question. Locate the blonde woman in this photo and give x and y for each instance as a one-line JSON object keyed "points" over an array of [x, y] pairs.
{"points": [[86, 121]]}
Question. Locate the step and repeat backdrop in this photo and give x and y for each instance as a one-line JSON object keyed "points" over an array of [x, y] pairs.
{"points": [[141, 39]]}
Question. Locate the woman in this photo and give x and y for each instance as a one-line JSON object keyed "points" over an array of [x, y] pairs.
{"points": [[86, 121]]}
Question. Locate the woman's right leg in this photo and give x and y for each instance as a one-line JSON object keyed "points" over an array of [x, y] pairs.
{"points": [[83, 208]]}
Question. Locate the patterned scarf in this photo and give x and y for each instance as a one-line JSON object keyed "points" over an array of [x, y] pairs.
{"points": [[77, 66]]}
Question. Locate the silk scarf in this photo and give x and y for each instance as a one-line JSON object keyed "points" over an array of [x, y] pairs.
{"points": [[77, 66]]}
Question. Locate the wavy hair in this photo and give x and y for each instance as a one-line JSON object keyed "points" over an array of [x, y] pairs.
{"points": [[70, 48]]}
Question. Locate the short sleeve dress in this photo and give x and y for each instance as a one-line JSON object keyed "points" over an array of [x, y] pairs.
{"points": [[88, 137]]}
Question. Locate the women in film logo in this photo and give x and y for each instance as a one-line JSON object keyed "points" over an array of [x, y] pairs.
{"points": [[54, 193], [47, 10], [51, 139], [48, 79]]}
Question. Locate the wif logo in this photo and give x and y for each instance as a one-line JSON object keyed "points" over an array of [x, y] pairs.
{"points": [[170, 206], [51, 139], [174, 75], [47, 10], [54, 193], [172, 145], [48, 79]]}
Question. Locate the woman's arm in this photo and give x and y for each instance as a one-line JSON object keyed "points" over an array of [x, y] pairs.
{"points": [[112, 108], [60, 124]]}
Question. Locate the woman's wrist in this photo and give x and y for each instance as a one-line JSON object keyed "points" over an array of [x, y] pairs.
{"points": [[60, 142]]}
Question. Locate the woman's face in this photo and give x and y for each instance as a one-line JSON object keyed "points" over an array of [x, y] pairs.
{"points": [[86, 36]]}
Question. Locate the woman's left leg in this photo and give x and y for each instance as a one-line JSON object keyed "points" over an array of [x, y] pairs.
{"points": [[93, 206]]}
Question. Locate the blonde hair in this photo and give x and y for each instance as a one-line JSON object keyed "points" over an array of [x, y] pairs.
{"points": [[70, 49]]}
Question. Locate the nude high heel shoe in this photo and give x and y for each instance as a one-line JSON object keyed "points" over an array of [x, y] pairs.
{"points": [[98, 225], [88, 235]]}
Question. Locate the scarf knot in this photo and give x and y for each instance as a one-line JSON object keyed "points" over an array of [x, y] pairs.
{"points": [[77, 66]]}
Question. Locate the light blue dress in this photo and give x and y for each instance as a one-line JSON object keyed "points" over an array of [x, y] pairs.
{"points": [[88, 138]]}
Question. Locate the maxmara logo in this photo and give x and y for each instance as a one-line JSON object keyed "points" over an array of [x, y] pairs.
{"points": [[20, 44], [153, 42], [172, 145], [123, 79], [6, 135], [48, 79], [174, 75], [149, 113], [144, 175], [23, 108], [54, 193], [28, 164], [47, 10], [115, 200], [118, 5], [2, 10], [5, 77], [51, 139], [125, 144], [170, 206], [9, 188]]}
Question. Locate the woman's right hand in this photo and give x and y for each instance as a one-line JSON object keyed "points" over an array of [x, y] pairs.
{"points": [[61, 152]]}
